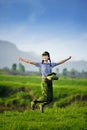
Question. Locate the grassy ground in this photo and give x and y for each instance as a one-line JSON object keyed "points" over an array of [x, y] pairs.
{"points": [[68, 111]]}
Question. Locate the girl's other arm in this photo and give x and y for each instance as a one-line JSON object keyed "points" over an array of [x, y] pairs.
{"points": [[62, 61], [27, 61]]}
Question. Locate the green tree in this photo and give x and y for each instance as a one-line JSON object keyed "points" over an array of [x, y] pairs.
{"points": [[5, 70], [65, 72], [21, 68], [57, 71], [14, 67], [74, 73]]}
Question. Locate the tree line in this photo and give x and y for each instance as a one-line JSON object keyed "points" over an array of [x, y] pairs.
{"points": [[15, 69], [72, 73], [20, 69]]}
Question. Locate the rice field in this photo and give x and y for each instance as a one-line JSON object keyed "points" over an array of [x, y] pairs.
{"points": [[68, 111]]}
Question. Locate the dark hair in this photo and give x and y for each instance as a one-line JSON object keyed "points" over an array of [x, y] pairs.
{"points": [[46, 54]]}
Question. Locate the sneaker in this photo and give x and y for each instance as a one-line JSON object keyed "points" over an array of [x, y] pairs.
{"points": [[41, 107], [32, 105]]}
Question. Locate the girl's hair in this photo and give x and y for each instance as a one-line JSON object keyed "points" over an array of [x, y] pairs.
{"points": [[46, 54]]}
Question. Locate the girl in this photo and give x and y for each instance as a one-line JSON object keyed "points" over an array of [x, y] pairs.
{"points": [[47, 78]]}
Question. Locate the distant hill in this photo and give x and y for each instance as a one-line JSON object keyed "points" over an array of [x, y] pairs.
{"points": [[77, 65], [9, 54]]}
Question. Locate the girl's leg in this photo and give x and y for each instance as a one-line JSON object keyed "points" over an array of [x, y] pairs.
{"points": [[47, 95], [43, 98]]}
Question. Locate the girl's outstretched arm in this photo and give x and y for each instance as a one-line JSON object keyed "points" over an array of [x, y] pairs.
{"points": [[27, 61], [62, 61]]}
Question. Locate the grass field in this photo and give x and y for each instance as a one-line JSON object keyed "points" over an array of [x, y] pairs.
{"points": [[68, 111]]}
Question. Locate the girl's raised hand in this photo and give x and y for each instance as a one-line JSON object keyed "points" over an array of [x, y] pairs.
{"points": [[20, 58], [70, 57]]}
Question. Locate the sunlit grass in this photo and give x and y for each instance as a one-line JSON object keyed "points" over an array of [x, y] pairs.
{"points": [[58, 119], [68, 111]]}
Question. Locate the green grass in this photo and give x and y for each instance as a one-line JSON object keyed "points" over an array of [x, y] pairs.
{"points": [[68, 111], [53, 119]]}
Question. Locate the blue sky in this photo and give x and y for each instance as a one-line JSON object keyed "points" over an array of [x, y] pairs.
{"points": [[58, 26]]}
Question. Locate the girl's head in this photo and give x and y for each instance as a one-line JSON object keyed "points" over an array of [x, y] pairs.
{"points": [[46, 57]]}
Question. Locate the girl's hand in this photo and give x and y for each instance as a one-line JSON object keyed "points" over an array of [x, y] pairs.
{"points": [[26, 61], [20, 58], [69, 57]]}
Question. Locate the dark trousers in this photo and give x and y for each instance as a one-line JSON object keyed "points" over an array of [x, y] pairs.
{"points": [[47, 92]]}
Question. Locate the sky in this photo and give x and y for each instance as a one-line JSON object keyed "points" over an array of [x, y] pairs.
{"points": [[56, 26]]}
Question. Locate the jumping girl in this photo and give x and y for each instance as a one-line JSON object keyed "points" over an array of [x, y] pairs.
{"points": [[47, 77]]}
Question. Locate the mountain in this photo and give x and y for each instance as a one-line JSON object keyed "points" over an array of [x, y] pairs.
{"points": [[9, 54], [77, 65]]}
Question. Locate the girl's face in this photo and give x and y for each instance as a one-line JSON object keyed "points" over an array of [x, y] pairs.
{"points": [[45, 58]]}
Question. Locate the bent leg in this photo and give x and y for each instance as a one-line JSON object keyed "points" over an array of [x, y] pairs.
{"points": [[47, 95]]}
